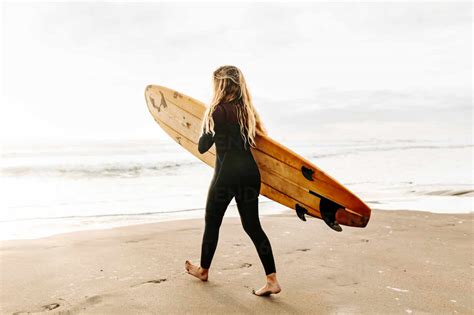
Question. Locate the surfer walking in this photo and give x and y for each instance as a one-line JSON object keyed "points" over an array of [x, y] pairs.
{"points": [[231, 123]]}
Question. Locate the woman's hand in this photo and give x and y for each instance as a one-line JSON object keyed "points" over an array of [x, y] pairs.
{"points": [[206, 140]]}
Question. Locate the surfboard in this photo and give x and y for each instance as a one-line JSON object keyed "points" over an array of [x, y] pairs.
{"points": [[286, 177]]}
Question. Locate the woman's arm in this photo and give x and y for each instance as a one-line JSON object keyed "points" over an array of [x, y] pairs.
{"points": [[207, 139], [205, 142]]}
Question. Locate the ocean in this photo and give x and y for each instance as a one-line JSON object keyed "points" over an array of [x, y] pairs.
{"points": [[55, 188]]}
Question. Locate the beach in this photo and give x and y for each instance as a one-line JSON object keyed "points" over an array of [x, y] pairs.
{"points": [[403, 262], [100, 207]]}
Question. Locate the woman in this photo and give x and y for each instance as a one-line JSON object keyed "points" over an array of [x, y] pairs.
{"points": [[231, 122]]}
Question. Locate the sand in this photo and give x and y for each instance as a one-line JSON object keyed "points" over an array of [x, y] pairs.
{"points": [[404, 262]]}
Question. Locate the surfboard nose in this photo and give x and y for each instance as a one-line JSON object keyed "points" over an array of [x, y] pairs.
{"points": [[148, 88], [347, 217]]}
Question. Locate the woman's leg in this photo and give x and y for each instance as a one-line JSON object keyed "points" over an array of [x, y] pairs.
{"points": [[248, 210], [246, 198], [218, 200]]}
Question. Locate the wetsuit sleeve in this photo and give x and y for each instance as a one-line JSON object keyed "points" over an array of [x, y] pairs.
{"points": [[205, 142], [207, 139]]}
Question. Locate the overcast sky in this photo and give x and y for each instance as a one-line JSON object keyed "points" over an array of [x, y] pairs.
{"points": [[79, 70]]}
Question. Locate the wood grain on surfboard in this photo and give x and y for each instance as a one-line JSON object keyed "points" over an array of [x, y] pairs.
{"points": [[287, 177]]}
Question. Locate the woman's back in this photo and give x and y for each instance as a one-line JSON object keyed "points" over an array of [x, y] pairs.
{"points": [[227, 129]]}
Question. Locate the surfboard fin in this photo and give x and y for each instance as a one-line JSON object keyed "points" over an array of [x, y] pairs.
{"points": [[328, 209], [300, 212], [307, 173]]}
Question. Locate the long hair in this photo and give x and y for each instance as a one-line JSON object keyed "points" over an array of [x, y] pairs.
{"points": [[230, 86]]}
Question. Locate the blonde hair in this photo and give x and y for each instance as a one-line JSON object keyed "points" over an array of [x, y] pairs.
{"points": [[230, 86]]}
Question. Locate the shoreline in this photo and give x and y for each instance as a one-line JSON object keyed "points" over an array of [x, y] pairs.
{"points": [[110, 221], [402, 262], [157, 217]]}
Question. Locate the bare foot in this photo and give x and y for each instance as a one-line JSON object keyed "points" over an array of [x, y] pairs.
{"points": [[196, 271], [272, 286]]}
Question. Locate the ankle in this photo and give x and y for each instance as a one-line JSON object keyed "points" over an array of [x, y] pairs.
{"points": [[271, 278]]}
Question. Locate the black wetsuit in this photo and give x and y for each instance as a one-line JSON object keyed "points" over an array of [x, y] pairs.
{"points": [[236, 175]]}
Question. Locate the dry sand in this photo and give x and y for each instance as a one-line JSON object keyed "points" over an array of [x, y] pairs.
{"points": [[404, 262]]}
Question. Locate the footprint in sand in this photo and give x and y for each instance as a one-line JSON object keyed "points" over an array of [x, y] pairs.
{"points": [[244, 265], [94, 299], [51, 306], [47, 307], [303, 249], [154, 281]]}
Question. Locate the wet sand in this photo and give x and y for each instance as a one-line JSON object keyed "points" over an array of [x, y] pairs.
{"points": [[404, 262]]}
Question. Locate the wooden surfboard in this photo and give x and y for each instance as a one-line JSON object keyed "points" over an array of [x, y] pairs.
{"points": [[287, 177]]}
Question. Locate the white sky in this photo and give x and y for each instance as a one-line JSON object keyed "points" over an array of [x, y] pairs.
{"points": [[78, 70]]}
